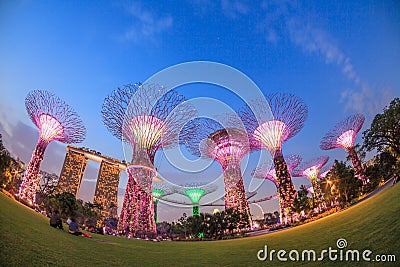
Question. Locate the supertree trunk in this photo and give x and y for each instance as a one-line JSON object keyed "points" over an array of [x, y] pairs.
{"points": [[235, 194], [137, 215], [128, 220], [286, 190], [357, 165], [155, 210], [318, 199], [27, 191]]}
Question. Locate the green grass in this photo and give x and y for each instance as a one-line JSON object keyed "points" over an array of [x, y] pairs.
{"points": [[26, 239]]}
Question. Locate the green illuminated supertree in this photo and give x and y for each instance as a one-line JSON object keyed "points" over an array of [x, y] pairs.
{"points": [[195, 191], [289, 114], [160, 189]]}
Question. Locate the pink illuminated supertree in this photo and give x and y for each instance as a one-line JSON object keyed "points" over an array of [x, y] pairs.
{"points": [[56, 121], [113, 112], [324, 171], [266, 172], [152, 120], [227, 146], [343, 136], [311, 169], [289, 114]]}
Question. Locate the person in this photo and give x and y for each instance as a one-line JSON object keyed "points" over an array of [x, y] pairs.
{"points": [[55, 220], [74, 227]]}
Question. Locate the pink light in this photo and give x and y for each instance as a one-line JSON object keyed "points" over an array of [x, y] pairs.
{"points": [[145, 130], [229, 151], [346, 139], [272, 134], [311, 172], [49, 128], [310, 190]]}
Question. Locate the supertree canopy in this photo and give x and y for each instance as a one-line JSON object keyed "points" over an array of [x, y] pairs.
{"points": [[324, 171], [343, 136], [153, 119], [266, 172], [160, 189], [195, 191], [310, 169], [227, 145], [289, 114], [56, 121]]}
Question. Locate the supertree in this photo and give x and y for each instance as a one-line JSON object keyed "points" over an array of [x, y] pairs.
{"points": [[310, 169], [289, 114], [195, 191], [113, 112], [324, 171], [343, 136], [56, 121], [160, 189], [226, 144], [154, 119], [265, 171]]}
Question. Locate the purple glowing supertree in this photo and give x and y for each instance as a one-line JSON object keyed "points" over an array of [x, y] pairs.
{"points": [[113, 113], [227, 146], [266, 172], [310, 169], [195, 191], [56, 121], [343, 136], [153, 119], [324, 171], [289, 114]]}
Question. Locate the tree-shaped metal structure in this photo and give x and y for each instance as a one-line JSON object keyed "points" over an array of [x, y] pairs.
{"points": [[289, 114], [265, 171], [113, 112], [343, 136], [195, 191], [160, 189], [324, 171], [154, 119], [310, 169], [226, 144], [56, 121]]}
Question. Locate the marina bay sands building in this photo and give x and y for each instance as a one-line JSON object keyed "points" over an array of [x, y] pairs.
{"points": [[73, 170]]}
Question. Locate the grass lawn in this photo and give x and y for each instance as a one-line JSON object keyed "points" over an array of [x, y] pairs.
{"points": [[26, 239]]}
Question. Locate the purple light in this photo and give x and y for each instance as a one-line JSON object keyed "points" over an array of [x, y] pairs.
{"points": [[56, 121]]}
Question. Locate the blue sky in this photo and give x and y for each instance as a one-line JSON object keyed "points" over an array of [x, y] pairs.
{"points": [[341, 57]]}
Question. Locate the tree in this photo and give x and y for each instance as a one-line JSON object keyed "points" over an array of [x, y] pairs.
{"points": [[301, 202], [6, 166], [47, 186], [345, 186], [65, 203], [384, 133]]}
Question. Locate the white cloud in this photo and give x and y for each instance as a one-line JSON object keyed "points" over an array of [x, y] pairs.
{"points": [[146, 25], [366, 100], [316, 41], [234, 8]]}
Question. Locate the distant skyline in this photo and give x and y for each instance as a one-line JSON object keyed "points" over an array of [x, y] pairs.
{"points": [[340, 57]]}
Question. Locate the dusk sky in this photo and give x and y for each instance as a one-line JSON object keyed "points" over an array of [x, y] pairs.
{"points": [[340, 57]]}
